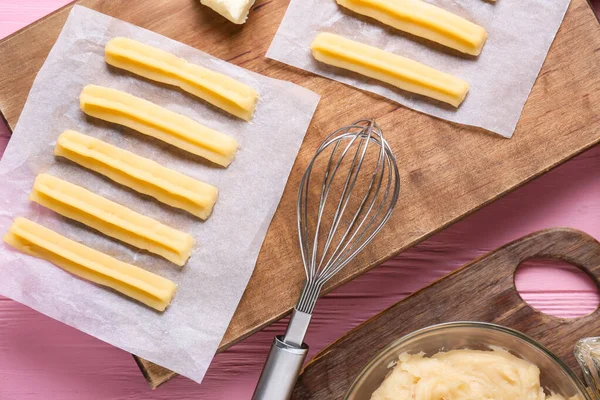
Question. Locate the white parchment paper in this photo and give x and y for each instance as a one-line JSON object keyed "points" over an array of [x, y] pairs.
{"points": [[185, 337], [519, 36]]}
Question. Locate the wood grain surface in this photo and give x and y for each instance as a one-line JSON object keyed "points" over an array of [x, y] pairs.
{"points": [[487, 293], [444, 178]]}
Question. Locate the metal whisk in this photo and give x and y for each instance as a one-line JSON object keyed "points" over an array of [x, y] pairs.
{"points": [[356, 194]]}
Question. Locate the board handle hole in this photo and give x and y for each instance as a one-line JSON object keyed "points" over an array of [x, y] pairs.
{"points": [[557, 288]]}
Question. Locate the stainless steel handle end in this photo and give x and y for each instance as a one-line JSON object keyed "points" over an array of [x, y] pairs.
{"points": [[281, 371]]}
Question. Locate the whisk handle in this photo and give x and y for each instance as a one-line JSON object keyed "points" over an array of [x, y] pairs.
{"points": [[281, 371]]}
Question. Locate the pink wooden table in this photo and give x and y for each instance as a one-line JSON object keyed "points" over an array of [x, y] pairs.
{"points": [[44, 359]]}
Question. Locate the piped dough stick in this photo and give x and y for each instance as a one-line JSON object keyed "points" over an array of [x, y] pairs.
{"points": [[158, 65], [112, 219], [424, 20], [387, 67], [92, 265], [138, 173], [145, 117]]}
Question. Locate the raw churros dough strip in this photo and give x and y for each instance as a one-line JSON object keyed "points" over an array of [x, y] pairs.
{"points": [[112, 219], [387, 67], [145, 117], [92, 265], [218, 89], [138, 173], [424, 20]]}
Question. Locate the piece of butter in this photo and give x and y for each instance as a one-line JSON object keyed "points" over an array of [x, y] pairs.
{"points": [[234, 10], [220, 90], [145, 117], [112, 219], [398, 71], [84, 262], [424, 20], [138, 173]]}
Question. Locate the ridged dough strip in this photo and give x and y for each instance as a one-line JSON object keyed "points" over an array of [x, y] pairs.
{"points": [[158, 65], [112, 219], [92, 265], [138, 173], [387, 67], [145, 117], [424, 20]]}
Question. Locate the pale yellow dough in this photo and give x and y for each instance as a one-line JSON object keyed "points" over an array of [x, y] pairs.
{"points": [[218, 89], [384, 66], [84, 262], [138, 173], [234, 10], [145, 117], [424, 20], [463, 375], [112, 219]]}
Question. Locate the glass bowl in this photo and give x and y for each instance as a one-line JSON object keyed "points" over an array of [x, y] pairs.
{"points": [[555, 376]]}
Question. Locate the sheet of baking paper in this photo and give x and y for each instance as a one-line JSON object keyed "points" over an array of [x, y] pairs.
{"points": [[520, 33], [185, 337]]}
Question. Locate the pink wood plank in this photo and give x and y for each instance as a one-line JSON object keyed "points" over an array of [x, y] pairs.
{"points": [[43, 359], [15, 14]]}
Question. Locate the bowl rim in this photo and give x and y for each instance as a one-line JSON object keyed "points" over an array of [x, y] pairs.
{"points": [[485, 325]]}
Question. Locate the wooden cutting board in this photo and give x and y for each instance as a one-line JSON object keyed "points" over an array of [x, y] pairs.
{"points": [[483, 290], [447, 170]]}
